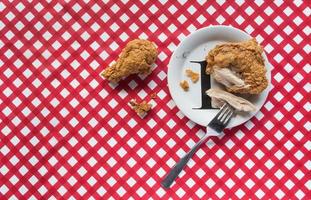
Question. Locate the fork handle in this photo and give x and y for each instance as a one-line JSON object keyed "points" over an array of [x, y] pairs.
{"points": [[172, 175]]}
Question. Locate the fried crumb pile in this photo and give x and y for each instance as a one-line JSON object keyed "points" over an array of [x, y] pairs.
{"points": [[141, 108], [136, 58], [192, 75]]}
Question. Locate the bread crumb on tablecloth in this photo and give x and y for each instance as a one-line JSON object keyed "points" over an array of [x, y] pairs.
{"points": [[141, 108], [153, 95]]}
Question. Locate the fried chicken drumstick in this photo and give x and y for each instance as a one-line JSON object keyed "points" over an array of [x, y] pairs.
{"points": [[135, 58]]}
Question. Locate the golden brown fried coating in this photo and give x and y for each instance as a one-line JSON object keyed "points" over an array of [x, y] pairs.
{"points": [[141, 108], [245, 60], [192, 75], [184, 85], [135, 58], [153, 95]]}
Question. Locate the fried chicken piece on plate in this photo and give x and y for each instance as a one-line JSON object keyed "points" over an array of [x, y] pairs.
{"points": [[136, 58], [238, 66]]}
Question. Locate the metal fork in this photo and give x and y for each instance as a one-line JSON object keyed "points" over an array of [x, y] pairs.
{"points": [[218, 123]]}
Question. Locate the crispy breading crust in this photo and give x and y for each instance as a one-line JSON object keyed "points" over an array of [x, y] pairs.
{"points": [[192, 75], [184, 85], [135, 58], [246, 59], [141, 108]]}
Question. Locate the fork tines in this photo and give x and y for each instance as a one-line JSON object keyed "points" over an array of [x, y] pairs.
{"points": [[221, 120]]}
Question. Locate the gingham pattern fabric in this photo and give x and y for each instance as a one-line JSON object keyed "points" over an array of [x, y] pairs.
{"points": [[66, 133]]}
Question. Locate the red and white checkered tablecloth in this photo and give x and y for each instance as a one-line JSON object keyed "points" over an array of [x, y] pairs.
{"points": [[66, 133]]}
